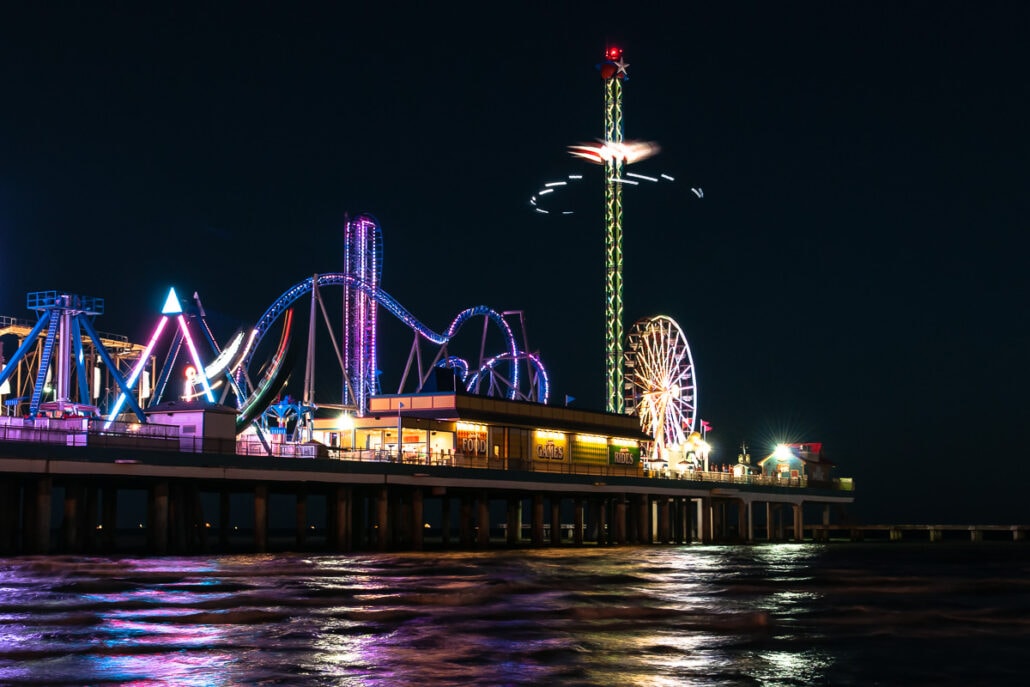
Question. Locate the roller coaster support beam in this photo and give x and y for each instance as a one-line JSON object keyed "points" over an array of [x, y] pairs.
{"points": [[115, 374]]}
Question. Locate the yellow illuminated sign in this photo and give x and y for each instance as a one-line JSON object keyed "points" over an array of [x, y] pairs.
{"points": [[591, 439]]}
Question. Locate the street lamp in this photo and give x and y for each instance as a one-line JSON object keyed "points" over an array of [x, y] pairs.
{"points": [[400, 435]]}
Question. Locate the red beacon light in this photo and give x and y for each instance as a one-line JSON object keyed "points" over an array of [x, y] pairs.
{"points": [[614, 53]]}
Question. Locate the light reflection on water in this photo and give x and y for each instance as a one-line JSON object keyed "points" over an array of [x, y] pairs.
{"points": [[714, 615]]}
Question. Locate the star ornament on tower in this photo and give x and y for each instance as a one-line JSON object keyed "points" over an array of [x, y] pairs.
{"points": [[614, 65]]}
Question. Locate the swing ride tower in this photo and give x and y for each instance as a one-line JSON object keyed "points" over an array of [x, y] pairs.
{"points": [[613, 73]]}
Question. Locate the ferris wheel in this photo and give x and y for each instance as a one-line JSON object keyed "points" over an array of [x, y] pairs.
{"points": [[661, 386]]}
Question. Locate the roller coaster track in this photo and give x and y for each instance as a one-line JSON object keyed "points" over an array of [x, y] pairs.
{"points": [[511, 355]]}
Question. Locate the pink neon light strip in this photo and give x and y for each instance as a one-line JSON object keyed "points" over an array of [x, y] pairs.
{"points": [[196, 359], [138, 369]]}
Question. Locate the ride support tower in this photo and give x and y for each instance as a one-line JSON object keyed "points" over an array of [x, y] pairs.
{"points": [[613, 73], [363, 260]]}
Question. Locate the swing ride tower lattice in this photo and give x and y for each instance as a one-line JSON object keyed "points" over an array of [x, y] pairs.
{"points": [[613, 72]]}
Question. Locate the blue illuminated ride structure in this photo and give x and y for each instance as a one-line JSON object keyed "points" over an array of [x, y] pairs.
{"points": [[63, 318], [512, 372], [363, 260], [485, 377]]}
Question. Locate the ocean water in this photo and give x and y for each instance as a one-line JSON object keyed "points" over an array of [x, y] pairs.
{"points": [[778, 614]]}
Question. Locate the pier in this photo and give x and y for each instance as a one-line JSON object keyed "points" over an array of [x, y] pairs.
{"points": [[924, 533], [72, 490], [473, 456]]}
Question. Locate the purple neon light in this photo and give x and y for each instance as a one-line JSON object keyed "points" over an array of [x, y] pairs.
{"points": [[196, 359], [362, 267], [138, 369]]}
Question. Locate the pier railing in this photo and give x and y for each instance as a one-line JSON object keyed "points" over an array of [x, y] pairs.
{"points": [[915, 532], [89, 432]]}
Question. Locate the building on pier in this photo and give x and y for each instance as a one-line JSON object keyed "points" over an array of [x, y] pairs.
{"points": [[455, 428]]}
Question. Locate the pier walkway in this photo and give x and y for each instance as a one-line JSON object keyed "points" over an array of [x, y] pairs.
{"points": [[63, 486]]}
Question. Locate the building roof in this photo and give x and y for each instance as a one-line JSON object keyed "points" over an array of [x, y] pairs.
{"points": [[457, 406]]}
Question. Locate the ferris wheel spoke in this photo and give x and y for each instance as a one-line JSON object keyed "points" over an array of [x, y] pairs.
{"points": [[661, 381]]}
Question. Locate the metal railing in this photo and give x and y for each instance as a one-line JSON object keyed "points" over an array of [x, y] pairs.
{"points": [[81, 431], [729, 478]]}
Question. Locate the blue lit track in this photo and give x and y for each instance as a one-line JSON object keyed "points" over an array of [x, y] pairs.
{"points": [[511, 356]]}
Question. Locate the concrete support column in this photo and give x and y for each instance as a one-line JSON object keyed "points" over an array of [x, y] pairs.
{"points": [[342, 510], [302, 519], [9, 500], [538, 519], [73, 495], [465, 526], [261, 518], [514, 521], [158, 529], [662, 507], [678, 522], [330, 519], [742, 524], [826, 523], [41, 517], [704, 519], [28, 516], [224, 520], [445, 521], [362, 516], [620, 520], [109, 518], [631, 519], [418, 528], [652, 514], [799, 522], [180, 510], [383, 519], [555, 520], [690, 520], [976, 535], [400, 524], [714, 520], [483, 519], [200, 524], [750, 522], [602, 522], [90, 514], [687, 521], [643, 519], [577, 521]]}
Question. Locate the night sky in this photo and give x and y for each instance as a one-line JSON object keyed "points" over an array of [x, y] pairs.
{"points": [[855, 273]]}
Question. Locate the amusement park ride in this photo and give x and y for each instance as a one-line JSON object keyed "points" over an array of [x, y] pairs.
{"points": [[512, 372], [649, 372]]}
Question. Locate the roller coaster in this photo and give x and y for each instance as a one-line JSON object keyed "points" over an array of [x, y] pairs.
{"points": [[512, 372]]}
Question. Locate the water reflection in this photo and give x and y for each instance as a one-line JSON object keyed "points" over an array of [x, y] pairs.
{"points": [[770, 615]]}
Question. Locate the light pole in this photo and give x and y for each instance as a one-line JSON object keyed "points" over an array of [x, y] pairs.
{"points": [[400, 435]]}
